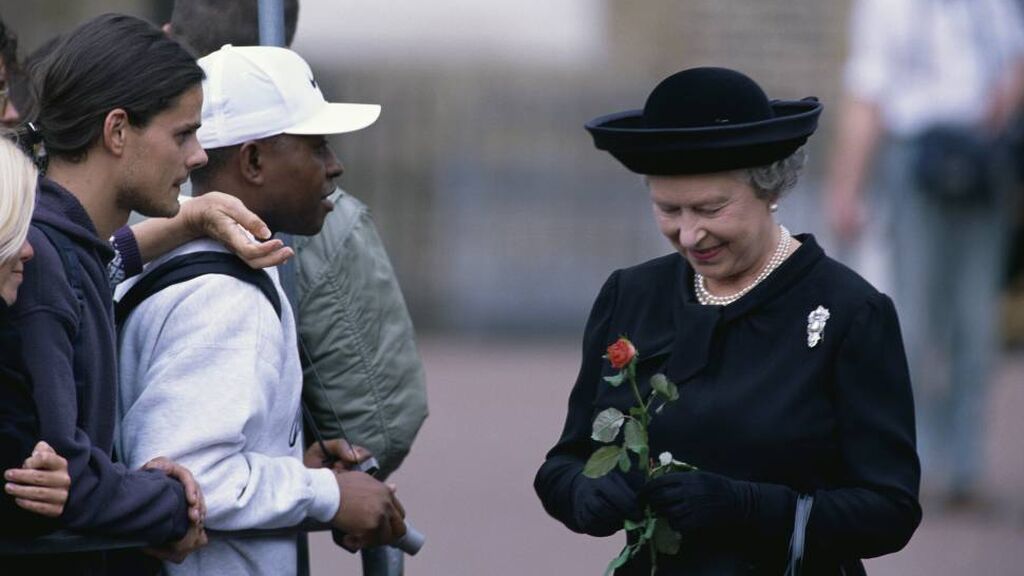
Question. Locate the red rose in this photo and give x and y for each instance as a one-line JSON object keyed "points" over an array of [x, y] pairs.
{"points": [[621, 353]]}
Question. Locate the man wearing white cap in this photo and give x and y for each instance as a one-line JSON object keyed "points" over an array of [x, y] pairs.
{"points": [[210, 367]]}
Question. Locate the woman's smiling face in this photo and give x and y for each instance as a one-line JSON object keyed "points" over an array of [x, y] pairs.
{"points": [[718, 223]]}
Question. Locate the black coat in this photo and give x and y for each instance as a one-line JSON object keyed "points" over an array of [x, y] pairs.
{"points": [[758, 404], [19, 430]]}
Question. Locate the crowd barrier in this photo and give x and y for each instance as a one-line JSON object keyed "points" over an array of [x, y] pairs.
{"points": [[383, 561]]}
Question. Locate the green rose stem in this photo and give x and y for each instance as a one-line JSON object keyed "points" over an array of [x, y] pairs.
{"points": [[652, 532], [645, 460], [645, 417]]}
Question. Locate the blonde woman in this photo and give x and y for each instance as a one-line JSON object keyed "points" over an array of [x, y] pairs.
{"points": [[36, 480]]}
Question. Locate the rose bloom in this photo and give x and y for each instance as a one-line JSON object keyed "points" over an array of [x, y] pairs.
{"points": [[621, 353]]}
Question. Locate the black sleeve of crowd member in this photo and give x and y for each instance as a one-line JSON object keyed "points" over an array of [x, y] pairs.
{"points": [[105, 497], [19, 432]]}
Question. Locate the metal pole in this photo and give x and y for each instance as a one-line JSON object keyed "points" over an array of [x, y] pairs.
{"points": [[271, 14], [271, 22], [382, 561]]}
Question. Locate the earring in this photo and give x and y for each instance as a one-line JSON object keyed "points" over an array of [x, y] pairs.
{"points": [[773, 207]]}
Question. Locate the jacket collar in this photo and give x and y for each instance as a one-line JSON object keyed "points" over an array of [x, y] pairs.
{"points": [[59, 208], [690, 338]]}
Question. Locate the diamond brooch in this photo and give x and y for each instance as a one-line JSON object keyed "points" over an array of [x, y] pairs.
{"points": [[816, 325]]}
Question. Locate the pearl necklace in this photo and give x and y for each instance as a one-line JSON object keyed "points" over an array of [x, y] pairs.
{"points": [[707, 298]]}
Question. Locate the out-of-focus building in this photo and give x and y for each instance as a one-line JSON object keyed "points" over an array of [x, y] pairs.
{"points": [[497, 211]]}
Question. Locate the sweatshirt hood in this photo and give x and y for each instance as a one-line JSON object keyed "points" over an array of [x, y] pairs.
{"points": [[59, 208]]}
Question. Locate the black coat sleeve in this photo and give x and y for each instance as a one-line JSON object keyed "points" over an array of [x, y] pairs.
{"points": [[874, 510], [878, 511], [19, 432], [556, 479], [105, 497], [18, 435]]}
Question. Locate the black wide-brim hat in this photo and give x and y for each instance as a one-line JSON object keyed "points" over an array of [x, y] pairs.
{"points": [[704, 120]]}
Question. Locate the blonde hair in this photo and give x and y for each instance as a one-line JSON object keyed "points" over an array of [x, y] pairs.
{"points": [[17, 198]]}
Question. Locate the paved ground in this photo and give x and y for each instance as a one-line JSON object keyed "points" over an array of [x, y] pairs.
{"points": [[497, 407]]}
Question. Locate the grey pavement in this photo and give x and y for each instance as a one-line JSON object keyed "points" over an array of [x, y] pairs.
{"points": [[497, 406]]}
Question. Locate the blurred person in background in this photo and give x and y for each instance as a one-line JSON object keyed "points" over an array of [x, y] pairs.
{"points": [[793, 389], [8, 70], [931, 90], [36, 478]]}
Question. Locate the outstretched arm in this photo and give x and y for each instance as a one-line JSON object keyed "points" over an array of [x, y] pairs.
{"points": [[216, 215], [860, 128]]}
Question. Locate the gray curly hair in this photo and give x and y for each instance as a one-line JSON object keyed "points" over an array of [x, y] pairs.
{"points": [[771, 181]]}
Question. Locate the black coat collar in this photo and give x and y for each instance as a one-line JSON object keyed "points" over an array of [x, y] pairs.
{"points": [[689, 338]]}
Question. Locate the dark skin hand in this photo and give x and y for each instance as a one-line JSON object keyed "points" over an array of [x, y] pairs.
{"points": [[370, 514], [177, 551], [193, 494], [195, 538], [344, 455]]}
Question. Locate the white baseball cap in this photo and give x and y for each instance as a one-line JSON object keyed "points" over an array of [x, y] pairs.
{"points": [[253, 92]]}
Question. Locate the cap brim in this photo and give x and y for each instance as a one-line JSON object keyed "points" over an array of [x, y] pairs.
{"points": [[337, 118]]}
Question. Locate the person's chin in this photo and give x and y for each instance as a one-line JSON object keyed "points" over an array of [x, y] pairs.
{"points": [[167, 209], [9, 293], [314, 227]]}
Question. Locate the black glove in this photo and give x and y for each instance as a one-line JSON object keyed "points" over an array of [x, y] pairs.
{"points": [[698, 501], [600, 505]]}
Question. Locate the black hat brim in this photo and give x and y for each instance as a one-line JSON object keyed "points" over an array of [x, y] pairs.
{"points": [[671, 151]]}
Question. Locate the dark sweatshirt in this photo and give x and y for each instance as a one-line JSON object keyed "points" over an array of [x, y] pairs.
{"points": [[19, 430], [69, 350]]}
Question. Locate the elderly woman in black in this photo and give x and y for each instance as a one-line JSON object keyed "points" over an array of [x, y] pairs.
{"points": [[793, 386]]}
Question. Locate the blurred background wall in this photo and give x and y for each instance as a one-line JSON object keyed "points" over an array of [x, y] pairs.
{"points": [[498, 213]]}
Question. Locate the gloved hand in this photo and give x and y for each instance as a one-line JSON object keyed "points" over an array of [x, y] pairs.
{"points": [[698, 501], [601, 505]]}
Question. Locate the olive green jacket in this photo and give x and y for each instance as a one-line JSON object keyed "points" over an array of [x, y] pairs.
{"points": [[366, 381]]}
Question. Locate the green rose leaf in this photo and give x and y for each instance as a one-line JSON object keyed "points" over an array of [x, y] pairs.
{"points": [[602, 461], [607, 424], [615, 380], [666, 540], [624, 462], [664, 387], [637, 412], [635, 437]]}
